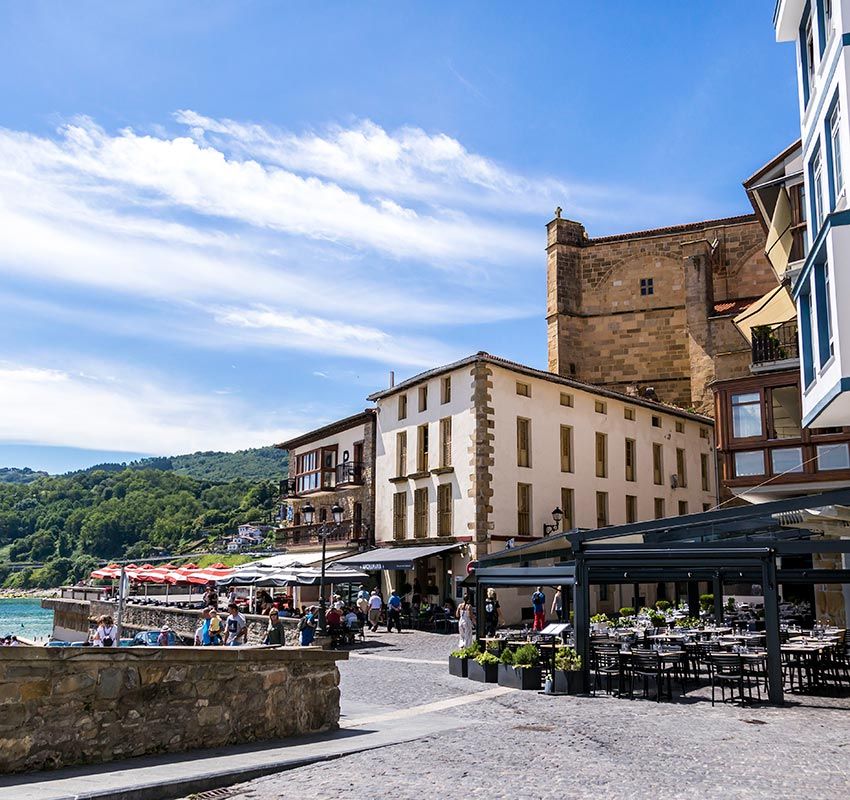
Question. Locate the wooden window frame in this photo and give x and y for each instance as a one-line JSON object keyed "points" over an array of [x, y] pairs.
{"points": [[422, 448], [568, 506], [446, 442], [566, 452], [401, 454], [601, 463], [657, 464], [446, 390], [524, 518], [444, 509], [602, 506], [523, 431], [399, 516], [631, 508], [420, 513], [630, 468], [402, 406]]}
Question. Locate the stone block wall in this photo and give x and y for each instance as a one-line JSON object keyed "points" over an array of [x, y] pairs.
{"points": [[63, 706], [601, 329]]}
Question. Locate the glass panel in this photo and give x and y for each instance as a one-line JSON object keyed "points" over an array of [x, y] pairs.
{"points": [[833, 456], [788, 459], [746, 415], [749, 462], [787, 414]]}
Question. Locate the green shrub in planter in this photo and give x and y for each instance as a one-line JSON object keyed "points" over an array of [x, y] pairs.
{"points": [[484, 668], [507, 656], [566, 678], [706, 602], [627, 611], [459, 660], [662, 605], [657, 620], [520, 670], [526, 655]]}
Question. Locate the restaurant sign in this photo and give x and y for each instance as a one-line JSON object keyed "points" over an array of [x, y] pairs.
{"points": [[374, 566]]}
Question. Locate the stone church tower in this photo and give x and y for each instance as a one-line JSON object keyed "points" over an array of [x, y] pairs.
{"points": [[651, 311]]}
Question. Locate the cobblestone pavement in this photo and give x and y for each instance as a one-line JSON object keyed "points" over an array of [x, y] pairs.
{"points": [[527, 745]]}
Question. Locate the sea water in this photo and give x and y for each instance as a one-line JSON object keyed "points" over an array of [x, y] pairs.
{"points": [[25, 617]]}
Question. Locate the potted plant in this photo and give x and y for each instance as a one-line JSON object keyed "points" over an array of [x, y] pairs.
{"points": [[520, 669], [662, 605], [599, 623], [459, 660], [657, 620], [566, 678], [484, 668]]}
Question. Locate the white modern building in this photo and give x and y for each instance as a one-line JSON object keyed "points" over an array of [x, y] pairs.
{"points": [[482, 452], [821, 285]]}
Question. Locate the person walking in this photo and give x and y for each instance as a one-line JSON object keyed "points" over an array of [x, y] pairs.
{"points": [[465, 623], [558, 605], [275, 633], [394, 612], [307, 627], [163, 640], [236, 627], [492, 613], [375, 606], [106, 632], [538, 604]]}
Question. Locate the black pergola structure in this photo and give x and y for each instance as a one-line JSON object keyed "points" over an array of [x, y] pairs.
{"points": [[732, 545]]}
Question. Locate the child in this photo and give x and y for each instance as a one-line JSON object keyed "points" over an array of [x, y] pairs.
{"points": [[215, 628]]}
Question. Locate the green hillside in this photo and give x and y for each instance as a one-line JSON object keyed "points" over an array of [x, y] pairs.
{"points": [[260, 463], [15, 475], [69, 523]]}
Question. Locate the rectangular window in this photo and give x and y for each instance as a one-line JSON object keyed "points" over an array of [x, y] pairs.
{"points": [[523, 509], [600, 408], [631, 508], [423, 398], [601, 455], [523, 442], [446, 390], [817, 193], [683, 508], [833, 456], [810, 54], [749, 462], [601, 509], [422, 449], [444, 509], [420, 513], [402, 406], [681, 469], [746, 415], [704, 472], [823, 313], [835, 139], [703, 433], [631, 460], [659, 508], [680, 426], [786, 459], [568, 507], [787, 412], [401, 454], [523, 389], [646, 287], [566, 399], [657, 464], [628, 413], [566, 448], [656, 421], [446, 442], [308, 471], [399, 515]]}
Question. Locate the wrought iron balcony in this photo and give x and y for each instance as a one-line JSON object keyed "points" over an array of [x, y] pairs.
{"points": [[775, 344], [309, 534], [349, 472]]}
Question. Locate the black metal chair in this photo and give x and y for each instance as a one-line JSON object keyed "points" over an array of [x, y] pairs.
{"points": [[726, 669], [647, 665], [605, 664]]}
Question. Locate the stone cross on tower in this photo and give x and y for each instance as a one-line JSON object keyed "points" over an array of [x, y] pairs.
{"points": [[558, 211]]}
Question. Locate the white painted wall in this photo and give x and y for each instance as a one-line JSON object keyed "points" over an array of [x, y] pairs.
{"points": [[463, 430], [547, 415]]}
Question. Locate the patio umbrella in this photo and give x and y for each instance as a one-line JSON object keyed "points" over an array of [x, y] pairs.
{"points": [[209, 575]]}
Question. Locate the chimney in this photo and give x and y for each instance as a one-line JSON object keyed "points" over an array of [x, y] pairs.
{"points": [[392, 378]]}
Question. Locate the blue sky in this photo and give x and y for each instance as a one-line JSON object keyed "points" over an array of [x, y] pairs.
{"points": [[224, 223]]}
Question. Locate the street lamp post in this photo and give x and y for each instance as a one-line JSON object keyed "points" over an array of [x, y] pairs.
{"points": [[326, 530], [557, 515]]}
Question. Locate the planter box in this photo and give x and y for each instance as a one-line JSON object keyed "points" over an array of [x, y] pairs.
{"points": [[459, 667], [483, 674], [519, 677], [564, 682]]}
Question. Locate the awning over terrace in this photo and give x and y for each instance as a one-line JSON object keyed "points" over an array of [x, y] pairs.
{"points": [[740, 544], [395, 557]]}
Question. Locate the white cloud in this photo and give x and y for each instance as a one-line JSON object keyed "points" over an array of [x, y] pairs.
{"points": [[76, 409]]}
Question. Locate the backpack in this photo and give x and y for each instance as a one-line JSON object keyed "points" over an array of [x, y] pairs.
{"points": [[302, 623]]}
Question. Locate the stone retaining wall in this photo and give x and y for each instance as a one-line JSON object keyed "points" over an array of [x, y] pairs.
{"points": [[61, 706]]}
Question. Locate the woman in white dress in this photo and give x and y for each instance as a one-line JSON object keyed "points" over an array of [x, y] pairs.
{"points": [[465, 624]]}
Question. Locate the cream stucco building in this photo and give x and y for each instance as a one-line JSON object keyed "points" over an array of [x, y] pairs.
{"points": [[477, 454]]}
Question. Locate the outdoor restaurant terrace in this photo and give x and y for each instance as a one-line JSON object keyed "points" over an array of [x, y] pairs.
{"points": [[741, 649]]}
